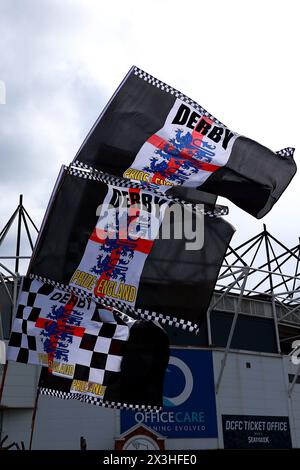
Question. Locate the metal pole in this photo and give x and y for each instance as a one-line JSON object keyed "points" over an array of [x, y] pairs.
{"points": [[276, 325], [3, 380], [275, 259], [19, 233], [231, 271], [289, 313], [223, 276], [33, 417], [14, 301], [15, 295], [297, 265], [283, 275], [216, 303], [294, 381], [239, 257], [26, 213], [267, 294], [7, 226], [27, 229], [259, 270], [272, 291], [236, 312], [274, 270], [2, 280], [8, 270]]}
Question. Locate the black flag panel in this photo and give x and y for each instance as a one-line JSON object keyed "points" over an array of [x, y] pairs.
{"points": [[153, 133], [138, 385], [125, 243], [88, 353], [155, 276]]}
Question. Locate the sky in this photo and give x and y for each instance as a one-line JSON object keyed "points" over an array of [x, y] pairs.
{"points": [[62, 60]]}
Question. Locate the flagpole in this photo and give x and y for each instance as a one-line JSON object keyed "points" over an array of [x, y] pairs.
{"points": [[3, 380], [34, 417], [14, 302]]}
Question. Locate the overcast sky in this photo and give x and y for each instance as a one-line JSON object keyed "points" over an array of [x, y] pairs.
{"points": [[62, 60]]}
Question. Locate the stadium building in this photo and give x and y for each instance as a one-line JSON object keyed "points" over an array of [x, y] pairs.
{"points": [[235, 385]]}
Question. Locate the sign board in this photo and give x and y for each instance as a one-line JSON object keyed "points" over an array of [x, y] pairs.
{"points": [[254, 432], [189, 399]]}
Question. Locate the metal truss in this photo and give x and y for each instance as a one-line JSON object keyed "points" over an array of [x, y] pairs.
{"points": [[262, 268], [23, 223], [8, 277], [274, 271]]}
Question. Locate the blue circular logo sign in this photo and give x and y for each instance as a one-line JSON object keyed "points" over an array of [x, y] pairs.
{"points": [[182, 383]]}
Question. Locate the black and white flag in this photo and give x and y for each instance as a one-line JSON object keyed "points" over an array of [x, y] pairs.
{"points": [[88, 353], [112, 241], [153, 133]]}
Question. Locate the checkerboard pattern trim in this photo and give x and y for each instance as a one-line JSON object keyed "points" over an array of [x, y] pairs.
{"points": [[168, 89], [286, 152], [121, 307], [96, 401], [99, 351], [76, 169]]}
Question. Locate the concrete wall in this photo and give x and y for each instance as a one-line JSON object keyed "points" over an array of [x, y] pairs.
{"points": [[258, 390], [18, 401], [20, 385], [293, 401], [60, 423], [261, 389], [16, 423]]}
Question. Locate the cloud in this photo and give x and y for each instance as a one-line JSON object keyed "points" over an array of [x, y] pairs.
{"points": [[61, 61], [50, 105]]}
